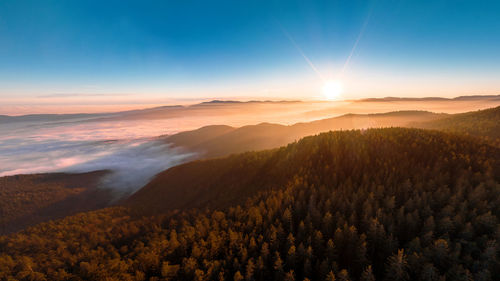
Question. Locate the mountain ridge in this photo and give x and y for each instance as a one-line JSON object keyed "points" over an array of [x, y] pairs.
{"points": [[459, 98], [206, 172], [268, 135], [229, 102]]}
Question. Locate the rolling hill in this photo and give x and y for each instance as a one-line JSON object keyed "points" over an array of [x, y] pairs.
{"points": [[30, 199], [26, 200], [298, 110], [210, 183], [220, 140], [377, 204], [459, 98], [216, 141], [482, 123]]}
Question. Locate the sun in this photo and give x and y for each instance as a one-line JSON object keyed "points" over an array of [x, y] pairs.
{"points": [[332, 90]]}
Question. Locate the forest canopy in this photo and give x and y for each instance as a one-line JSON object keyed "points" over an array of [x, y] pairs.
{"points": [[378, 204]]}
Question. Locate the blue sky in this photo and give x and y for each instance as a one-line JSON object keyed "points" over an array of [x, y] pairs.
{"points": [[159, 51]]}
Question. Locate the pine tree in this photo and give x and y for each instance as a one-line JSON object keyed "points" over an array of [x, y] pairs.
{"points": [[238, 276], [397, 267], [367, 274], [289, 276], [330, 276], [343, 275], [278, 267], [250, 270]]}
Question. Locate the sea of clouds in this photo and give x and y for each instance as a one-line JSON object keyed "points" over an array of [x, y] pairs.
{"points": [[130, 150]]}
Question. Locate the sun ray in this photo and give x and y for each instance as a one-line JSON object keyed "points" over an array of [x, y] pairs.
{"points": [[309, 62]]}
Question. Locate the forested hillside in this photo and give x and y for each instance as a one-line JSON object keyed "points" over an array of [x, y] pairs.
{"points": [[378, 204], [30, 199], [216, 141], [482, 123]]}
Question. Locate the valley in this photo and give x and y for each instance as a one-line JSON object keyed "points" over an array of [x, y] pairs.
{"points": [[351, 201]]}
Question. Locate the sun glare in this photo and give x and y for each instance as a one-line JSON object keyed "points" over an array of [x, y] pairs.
{"points": [[332, 90]]}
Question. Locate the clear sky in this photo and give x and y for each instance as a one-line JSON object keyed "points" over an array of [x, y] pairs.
{"points": [[153, 52]]}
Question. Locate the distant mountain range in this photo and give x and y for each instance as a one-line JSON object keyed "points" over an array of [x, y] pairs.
{"points": [[168, 111], [215, 141], [221, 140], [242, 102], [203, 108], [460, 98]]}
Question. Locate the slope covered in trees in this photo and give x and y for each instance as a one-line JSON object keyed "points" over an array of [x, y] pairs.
{"points": [[30, 199], [379, 204], [482, 123], [216, 141]]}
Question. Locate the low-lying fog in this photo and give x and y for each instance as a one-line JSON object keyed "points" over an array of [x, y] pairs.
{"points": [[127, 145], [128, 150]]}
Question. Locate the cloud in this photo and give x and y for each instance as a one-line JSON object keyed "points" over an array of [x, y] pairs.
{"points": [[133, 163], [133, 160]]}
